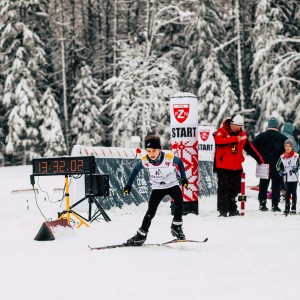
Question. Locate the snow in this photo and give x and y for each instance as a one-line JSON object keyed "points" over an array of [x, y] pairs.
{"points": [[250, 257]]}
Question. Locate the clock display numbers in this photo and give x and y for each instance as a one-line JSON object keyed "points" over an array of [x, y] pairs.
{"points": [[65, 165]]}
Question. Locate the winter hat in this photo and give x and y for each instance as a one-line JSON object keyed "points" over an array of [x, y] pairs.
{"points": [[237, 120], [288, 128], [289, 141], [152, 141], [273, 123]]}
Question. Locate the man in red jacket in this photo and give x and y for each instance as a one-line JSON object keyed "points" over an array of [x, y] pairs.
{"points": [[231, 140]]}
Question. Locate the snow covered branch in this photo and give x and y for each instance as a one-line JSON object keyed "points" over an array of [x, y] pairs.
{"points": [[246, 111], [221, 47], [277, 80], [158, 23]]}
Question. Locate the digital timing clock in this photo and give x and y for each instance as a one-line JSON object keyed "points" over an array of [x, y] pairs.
{"points": [[65, 165]]}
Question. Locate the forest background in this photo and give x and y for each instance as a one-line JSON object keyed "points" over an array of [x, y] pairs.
{"points": [[97, 72]]}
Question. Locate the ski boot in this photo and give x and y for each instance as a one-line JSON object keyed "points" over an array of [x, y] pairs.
{"points": [[176, 230], [223, 214], [293, 210], [233, 213], [263, 205], [138, 239], [275, 207], [287, 210]]}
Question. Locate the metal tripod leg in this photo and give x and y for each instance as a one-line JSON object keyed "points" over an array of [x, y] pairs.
{"points": [[104, 214], [68, 211]]}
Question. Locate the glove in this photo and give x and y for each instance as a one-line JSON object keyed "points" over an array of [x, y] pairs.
{"points": [[282, 173], [184, 182], [127, 189], [294, 170]]}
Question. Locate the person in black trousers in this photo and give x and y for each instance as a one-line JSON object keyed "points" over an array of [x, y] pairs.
{"points": [[231, 141], [288, 166], [164, 180], [270, 145]]}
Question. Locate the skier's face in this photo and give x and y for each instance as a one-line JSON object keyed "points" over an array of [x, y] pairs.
{"points": [[153, 153], [288, 148], [235, 128]]}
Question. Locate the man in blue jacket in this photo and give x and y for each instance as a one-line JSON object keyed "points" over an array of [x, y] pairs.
{"points": [[288, 131]]}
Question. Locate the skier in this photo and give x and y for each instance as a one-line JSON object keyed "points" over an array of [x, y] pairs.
{"points": [[231, 140], [270, 145], [288, 167], [163, 180]]}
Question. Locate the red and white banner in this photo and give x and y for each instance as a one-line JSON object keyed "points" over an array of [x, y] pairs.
{"points": [[181, 112], [184, 139], [206, 142]]}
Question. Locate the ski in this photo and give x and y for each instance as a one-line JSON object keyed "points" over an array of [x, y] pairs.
{"points": [[290, 214], [286, 215], [145, 245], [183, 241]]}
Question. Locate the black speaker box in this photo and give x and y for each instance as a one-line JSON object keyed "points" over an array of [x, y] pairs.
{"points": [[97, 185]]}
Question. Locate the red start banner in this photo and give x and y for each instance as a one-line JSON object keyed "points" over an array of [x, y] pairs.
{"points": [[184, 143]]}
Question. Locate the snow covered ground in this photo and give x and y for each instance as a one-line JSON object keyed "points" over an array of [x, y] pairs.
{"points": [[251, 257]]}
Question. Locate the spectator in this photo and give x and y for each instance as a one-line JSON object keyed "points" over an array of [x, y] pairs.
{"points": [[288, 131], [270, 144], [288, 167], [231, 140]]}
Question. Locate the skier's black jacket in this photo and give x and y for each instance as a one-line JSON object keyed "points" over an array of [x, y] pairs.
{"points": [[270, 144]]}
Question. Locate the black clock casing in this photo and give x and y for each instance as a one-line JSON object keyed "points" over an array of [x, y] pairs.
{"points": [[64, 165]]}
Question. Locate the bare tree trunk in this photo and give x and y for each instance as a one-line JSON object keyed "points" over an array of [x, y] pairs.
{"points": [[137, 15], [129, 19], [100, 39], [108, 44], [72, 53], [151, 12], [150, 23], [84, 27], [239, 54], [63, 69], [99, 17], [115, 38]]}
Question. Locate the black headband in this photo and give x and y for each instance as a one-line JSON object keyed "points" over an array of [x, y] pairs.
{"points": [[153, 143]]}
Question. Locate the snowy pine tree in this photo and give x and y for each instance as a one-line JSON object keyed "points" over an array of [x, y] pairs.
{"points": [[203, 33], [269, 93], [51, 130], [140, 94], [21, 57], [86, 122], [163, 38], [297, 113], [23, 119], [216, 98]]}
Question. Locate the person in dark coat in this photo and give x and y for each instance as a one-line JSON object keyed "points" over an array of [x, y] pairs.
{"points": [[288, 131], [231, 140], [270, 144]]}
